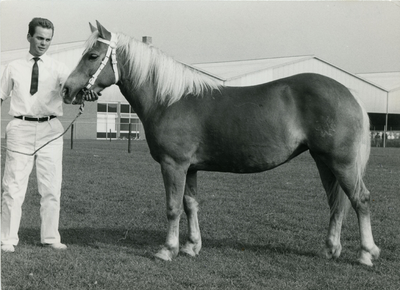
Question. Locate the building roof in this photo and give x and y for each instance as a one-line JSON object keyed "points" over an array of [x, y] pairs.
{"points": [[388, 80], [228, 70], [233, 69]]}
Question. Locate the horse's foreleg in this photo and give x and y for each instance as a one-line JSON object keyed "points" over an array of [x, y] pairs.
{"points": [[174, 182], [193, 245]]}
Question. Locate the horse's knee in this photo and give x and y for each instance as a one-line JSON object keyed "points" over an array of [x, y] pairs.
{"points": [[174, 212]]}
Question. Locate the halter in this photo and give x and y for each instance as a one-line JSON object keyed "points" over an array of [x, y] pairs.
{"points": [[112, 50]]}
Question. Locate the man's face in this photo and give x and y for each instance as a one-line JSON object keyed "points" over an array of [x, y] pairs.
{"points": [[40, 41]]}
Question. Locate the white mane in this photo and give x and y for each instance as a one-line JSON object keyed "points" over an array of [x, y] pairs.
{"points": [[172, 80]]}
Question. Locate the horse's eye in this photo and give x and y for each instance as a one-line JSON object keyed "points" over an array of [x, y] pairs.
{"points": [[93, 56]]}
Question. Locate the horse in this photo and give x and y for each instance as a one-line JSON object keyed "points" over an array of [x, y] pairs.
{"points": [[193, 122]]}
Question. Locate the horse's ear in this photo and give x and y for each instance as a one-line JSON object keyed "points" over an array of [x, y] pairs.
{"points": [[103, 33], [92, 28]]}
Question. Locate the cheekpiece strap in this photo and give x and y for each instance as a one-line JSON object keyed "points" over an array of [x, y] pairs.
{"points": [[111, 51]]}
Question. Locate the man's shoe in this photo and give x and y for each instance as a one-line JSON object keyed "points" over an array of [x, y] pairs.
{"points": [[8, 248], [56, 246]]}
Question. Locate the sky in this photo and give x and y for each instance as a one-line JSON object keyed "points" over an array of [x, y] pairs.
{"points": [[357, 36]]}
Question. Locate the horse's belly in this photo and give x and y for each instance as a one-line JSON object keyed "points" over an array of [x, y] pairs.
{"points": [[249, 159]]}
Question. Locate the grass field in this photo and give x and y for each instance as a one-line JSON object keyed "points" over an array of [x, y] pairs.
{"points": [[260, 231]]}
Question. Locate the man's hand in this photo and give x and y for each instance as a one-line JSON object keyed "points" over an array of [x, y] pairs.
{"points": [[90, 95]]}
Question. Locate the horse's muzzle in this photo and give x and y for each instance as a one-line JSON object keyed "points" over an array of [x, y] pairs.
{"points": [[65, 95], [68, 99]]}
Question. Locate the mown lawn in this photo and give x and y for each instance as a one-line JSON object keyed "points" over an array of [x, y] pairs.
{"points": [[260, 231]]}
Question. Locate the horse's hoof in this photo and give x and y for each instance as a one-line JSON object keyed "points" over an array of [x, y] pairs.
{"points": [[191, 249], [366, 257], [333, 252], [164, 254], [188, 251], [375, 252]]}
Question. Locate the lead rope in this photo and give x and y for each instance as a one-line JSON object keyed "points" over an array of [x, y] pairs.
{"points": [[62, 134]]}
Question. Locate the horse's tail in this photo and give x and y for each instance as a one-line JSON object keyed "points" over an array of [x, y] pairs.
{"points": [[339, 200], [363, 153], [365, 144]]}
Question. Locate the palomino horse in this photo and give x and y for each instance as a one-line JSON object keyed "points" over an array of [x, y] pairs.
{"points": [[192, 123]]}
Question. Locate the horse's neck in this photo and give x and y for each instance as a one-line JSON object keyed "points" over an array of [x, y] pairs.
{"points": [[142, 100]]}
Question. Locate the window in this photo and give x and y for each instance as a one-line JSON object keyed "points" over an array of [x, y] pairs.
{"points": [[107, 108], [125, 108], [112, 108], [115, 120], [134, 121], [101, 107], [107, 120]]}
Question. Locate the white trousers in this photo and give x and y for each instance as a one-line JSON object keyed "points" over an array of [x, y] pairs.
{"points": [[27, 136]]}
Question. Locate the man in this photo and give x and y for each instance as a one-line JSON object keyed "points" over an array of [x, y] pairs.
{"points": [[34, 83]]}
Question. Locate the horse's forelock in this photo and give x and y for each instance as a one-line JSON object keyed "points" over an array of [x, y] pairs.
{"points": [[91, 41]]}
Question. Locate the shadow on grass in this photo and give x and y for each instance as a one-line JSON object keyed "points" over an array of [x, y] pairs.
{"points": [[91, 236], [140, 238], [258, 248]]}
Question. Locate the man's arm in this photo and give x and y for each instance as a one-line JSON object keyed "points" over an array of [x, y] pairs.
{"points": [[6, 84]]}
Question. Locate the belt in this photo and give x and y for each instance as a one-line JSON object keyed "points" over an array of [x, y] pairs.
{"points": [[43, 119]]}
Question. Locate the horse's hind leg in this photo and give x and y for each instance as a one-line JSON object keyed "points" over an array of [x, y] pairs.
{"points": [[353, 185], [347, 173], [193, 245], [338, 203]]}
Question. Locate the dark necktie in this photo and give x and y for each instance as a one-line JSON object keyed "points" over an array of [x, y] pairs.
{"points": [[35, 76]]}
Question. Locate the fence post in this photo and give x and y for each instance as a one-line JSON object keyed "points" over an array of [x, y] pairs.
{"points": [[129, 137], [384, 136], [72, 136]]}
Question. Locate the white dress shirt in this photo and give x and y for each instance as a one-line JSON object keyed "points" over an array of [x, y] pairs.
{"points": [[16, 82]]}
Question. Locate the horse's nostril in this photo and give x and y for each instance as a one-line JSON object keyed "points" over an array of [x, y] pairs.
{"points": [[64, 92]]}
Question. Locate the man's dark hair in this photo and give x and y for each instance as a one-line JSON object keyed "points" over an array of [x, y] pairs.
{"points": [[42, 22]]}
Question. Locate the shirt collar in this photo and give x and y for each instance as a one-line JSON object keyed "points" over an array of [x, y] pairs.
{"points": [[43, 58]]}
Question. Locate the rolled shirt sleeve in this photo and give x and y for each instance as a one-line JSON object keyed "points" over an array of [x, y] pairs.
{"points": [[6, 85]]}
